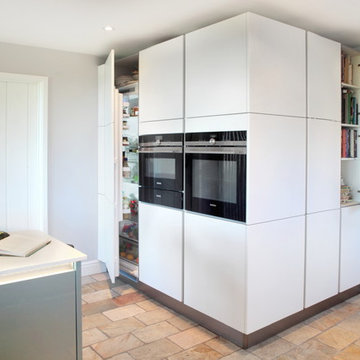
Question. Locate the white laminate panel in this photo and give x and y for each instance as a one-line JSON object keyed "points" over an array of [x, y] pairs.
{"points": [[161, 249], [217, 123], [323, 78], [323, 165], [54, 254], [161, 81], [275, 271], [214, 268], [108, 240], [108, 89], [322, 256], [3, 218], [215, 66], [101, 95], [276, 163], [350, 247], [277, 68], [36, 196], [17, 156], [101, 160], [109, 162], [161, 127]]}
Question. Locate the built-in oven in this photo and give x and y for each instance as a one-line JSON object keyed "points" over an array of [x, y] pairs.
{"points": [[161, 162], [215, 174]]}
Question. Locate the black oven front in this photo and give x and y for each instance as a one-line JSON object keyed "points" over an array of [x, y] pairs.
{"points": [[161, 169], [215, 174]]}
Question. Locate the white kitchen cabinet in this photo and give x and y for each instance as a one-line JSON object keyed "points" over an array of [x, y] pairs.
{"points": [[323, 78], [322, 256], [245, 64], [276, 164], [161, 81], [174, 126], [275, 253], [161, 248], [214, 268], [323, 165], [108, 233], [350, 247]]}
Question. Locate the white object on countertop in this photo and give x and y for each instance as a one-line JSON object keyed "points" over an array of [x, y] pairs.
{"points": [[54, 254]]}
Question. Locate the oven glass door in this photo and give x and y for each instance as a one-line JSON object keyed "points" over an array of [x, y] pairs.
{"points": [[216, 184], [161, 170]]}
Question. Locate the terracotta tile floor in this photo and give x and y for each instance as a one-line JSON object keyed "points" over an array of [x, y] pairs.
{"points": [[120, 323]]}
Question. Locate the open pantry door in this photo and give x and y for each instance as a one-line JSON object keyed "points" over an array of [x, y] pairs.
{"points": [[108, 232]]}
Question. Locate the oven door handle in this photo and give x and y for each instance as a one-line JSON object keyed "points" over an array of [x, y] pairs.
{"points": [[159, 150], [216, 150]]}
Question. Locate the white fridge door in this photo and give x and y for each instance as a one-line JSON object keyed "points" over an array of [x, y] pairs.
{"points": [[108, 239]]}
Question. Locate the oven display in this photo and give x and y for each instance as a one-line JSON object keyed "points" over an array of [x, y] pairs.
{"points": [[162, 168], [214, 180]]}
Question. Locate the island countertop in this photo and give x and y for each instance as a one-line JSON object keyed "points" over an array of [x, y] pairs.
{"points": [[54, 257]]}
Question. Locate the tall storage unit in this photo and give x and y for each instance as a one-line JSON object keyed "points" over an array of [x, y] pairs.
{"points": [[161, 102], [323, 169], [255, 84], [350, 170], [113, 187]]}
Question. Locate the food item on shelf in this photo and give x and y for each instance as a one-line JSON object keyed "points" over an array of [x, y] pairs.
{"points": [[126, 172], [130, 257], [137, 260], [123, 254], [125, 141], [133, 207]]}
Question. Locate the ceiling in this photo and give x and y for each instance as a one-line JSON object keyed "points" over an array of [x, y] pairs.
{"points": [[77, 25]]}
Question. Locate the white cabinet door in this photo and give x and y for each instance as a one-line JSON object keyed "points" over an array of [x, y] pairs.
{"points": [[161, 248], [350, 247], [322, 256], [108, 240], [277, 67], [215, 58], [323, 165], [275, 271], [23, 152], [245, 64], [214, 268], [323, 78], [276, 164], [161, 82]]}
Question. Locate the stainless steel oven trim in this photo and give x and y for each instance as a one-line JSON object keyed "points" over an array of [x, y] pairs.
{"points": [[157, 150], [215, 150], [161, 144], [216, 143]]}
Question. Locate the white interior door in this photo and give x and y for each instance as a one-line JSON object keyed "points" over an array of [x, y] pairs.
{"points": [[23, 152], [108, 240]]}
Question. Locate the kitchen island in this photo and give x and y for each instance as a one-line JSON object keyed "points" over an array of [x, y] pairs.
{"points": [[40, 301]]}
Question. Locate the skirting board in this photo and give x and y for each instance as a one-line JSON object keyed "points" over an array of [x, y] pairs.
{"points": [[92, 267], [245, 340]]}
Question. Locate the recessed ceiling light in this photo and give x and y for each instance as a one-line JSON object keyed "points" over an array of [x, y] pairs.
{"points": [[108, 28]]}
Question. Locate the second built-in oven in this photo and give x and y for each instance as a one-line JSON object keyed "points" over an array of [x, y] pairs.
{"points": [[215, 174], [161, 163]]}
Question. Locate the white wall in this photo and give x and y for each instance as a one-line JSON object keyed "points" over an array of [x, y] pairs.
{"points": [[72, 124]]}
